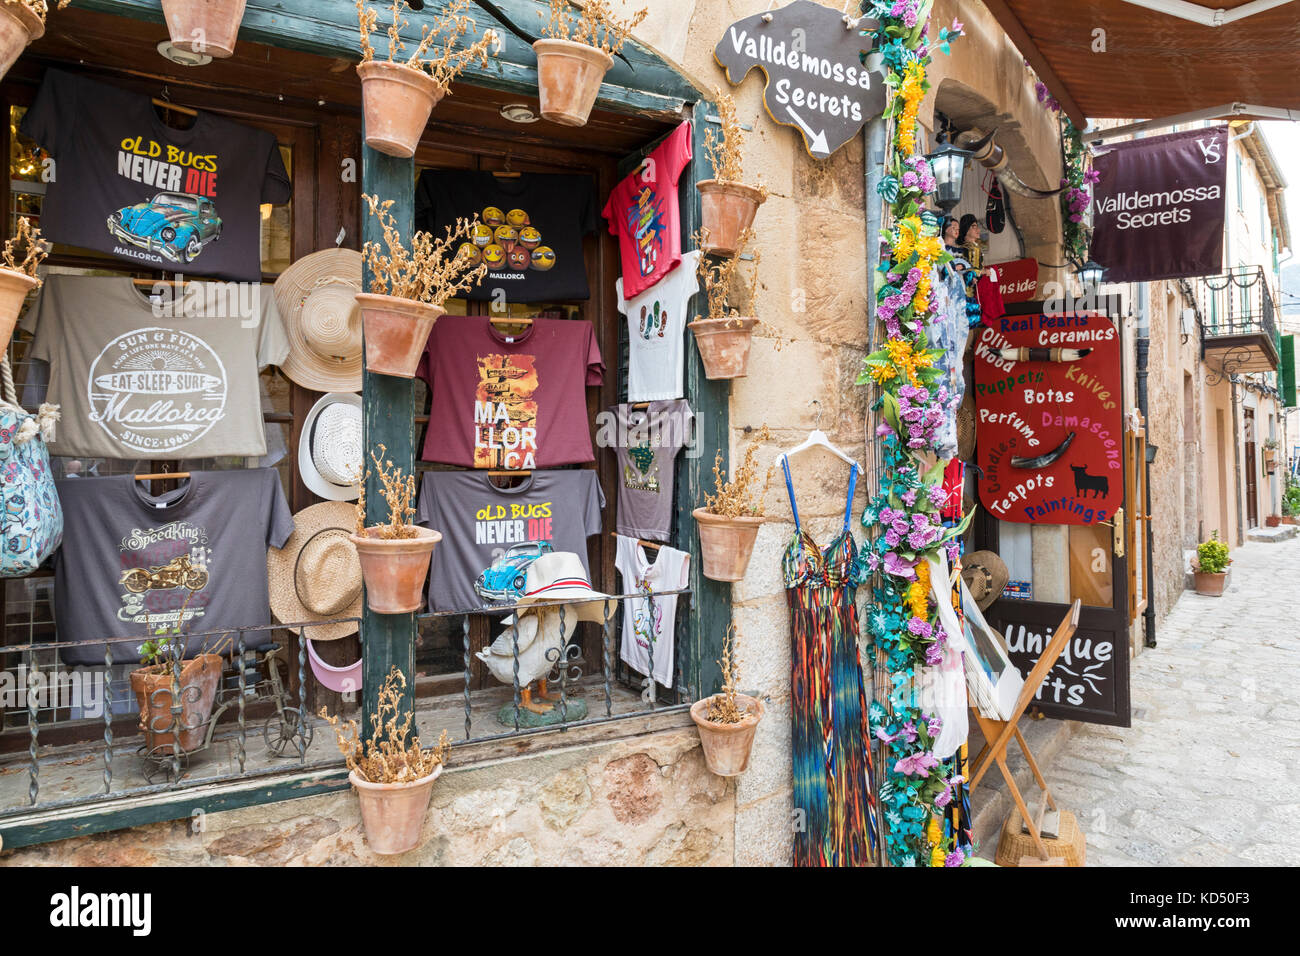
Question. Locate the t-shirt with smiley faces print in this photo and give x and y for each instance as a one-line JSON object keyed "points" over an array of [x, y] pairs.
{"points": [[529, 232]]}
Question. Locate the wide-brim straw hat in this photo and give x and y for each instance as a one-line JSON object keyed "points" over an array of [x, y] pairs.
{"points": [[316, 298], [560, 576], [316, 576], [986, 575], [330, 451]]}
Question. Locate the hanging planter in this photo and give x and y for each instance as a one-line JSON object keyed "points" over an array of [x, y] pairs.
{"points": [[153, 685], [574, 57], [397, 95], [396, 332], [729, 521], [724, 345], [204, 26], [392, 774], [727, 204], [394, 556], [18, 275], [728, 720], [409, 286]]}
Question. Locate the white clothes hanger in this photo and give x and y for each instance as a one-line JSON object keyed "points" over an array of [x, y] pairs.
{"points": [[818, 439]]}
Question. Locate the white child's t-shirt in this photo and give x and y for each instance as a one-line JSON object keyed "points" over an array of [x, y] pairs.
{"points": [[649, 625], [656, 329]]}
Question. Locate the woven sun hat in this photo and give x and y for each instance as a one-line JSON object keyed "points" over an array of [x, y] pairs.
{"points": [[316, 297], [966, 428], [316, 576], [985, 575], [560, 576], [330, 450]]}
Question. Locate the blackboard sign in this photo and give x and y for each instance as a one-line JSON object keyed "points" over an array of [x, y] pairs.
{"points": [[816, 80]]}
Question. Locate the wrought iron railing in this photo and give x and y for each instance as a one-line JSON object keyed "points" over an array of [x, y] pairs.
{"points": [[1238, 302], [260, 720]]}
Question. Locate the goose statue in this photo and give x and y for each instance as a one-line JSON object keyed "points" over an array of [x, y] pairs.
{"points": [[542, 638]]}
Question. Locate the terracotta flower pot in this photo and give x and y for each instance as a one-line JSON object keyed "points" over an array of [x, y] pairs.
{"points": [[204, 26], [1210, 585], [393, 813], [397, 331], [1290, 519], [14, 287], [396, 100], [724, 345], [726, 211], [394, 569], [569, 75], [726, 544], [727, 746], [18, 27], [198, 691], [1272, 521]]}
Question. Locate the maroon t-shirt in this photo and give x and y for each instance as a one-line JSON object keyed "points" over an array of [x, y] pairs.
{"points": [[510, 402]]}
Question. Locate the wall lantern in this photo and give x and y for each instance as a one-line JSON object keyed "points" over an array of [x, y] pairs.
{"points": [[949, 165], [1090, 273]]}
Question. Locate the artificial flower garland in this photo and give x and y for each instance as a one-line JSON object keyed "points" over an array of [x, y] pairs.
{"points": [[904, 515], [1078, 180]]}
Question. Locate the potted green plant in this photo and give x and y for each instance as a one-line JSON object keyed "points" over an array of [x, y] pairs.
{"points": [[398, 94], [409, 288], [204, 26], [396, 554], [22, 255], [1291, 501], [392, 774], [164, 676], [729, 521], [724, 336], [574, 55], [21, 22], [727, 204], [728, 720], [1270, 454], [1210, 566]]}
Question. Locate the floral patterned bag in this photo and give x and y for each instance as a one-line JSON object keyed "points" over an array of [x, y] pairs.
{"points": [[31, 522]]}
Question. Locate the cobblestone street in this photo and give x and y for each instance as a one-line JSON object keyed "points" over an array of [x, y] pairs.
{"points": [[1209, 773]]}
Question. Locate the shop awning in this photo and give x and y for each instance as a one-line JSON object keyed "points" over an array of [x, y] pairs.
{"points": [[1161, 58]]}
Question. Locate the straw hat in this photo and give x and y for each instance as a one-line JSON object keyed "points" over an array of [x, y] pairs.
{"points": [[316, 297], [560, 576], [985, 575], [330, 450], [316, 576]]}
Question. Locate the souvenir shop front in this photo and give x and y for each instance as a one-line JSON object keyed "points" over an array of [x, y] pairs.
{"points": [[197, 328]]}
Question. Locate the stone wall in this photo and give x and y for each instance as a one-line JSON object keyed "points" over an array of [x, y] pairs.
{"points": [[642, 801]]}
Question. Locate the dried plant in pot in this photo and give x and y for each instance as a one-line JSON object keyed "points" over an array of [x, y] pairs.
{"points": [[574, 56], [727, 204], [399, 93], [1210, 566], [165, 675], [21, 23], [729, 521], [409, 287], [204, 26], [23, 255], [724, 336], [728, 720], [395, 555], [391, 772]]}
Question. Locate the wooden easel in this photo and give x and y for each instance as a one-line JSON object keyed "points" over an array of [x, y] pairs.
{"points": [[998, 733]]}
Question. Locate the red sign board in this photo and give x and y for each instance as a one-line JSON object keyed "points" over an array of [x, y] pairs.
{"points": [[1049, 418], [1017, 280]]}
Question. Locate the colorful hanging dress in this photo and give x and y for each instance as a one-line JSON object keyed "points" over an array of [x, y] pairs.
{"points": [[836, 822]]}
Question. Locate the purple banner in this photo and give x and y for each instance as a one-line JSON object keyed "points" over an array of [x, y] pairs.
{"points": [[1159, 206]]}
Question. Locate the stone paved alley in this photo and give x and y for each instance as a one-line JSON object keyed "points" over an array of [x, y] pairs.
{"points": [[1209, 773]]}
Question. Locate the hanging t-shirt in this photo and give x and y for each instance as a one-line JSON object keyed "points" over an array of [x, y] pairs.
{"points": [[643, 212], [127, 184], [529, 231], [648, 626], [647, 442], [656, 330], [193, 558], [490, 535], [515, 402], [139, 377]]}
